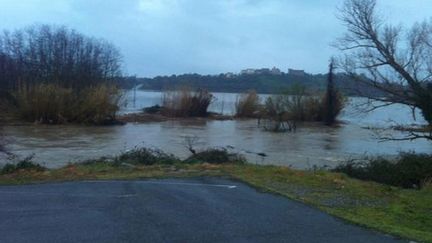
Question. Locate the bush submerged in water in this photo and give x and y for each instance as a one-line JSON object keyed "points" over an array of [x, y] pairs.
{"points": [[248, 104], [282, 112], [53, 104], [185, 102], [409, 170], [53, 75]]}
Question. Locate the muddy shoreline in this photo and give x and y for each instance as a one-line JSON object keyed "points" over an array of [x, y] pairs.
{"points": [[144, 117]]}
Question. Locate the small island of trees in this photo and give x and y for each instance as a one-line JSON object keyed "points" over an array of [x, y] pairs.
{"points": [[55, 75]]}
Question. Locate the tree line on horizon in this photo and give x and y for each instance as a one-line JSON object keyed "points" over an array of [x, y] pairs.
{"points": [[261, 83]]}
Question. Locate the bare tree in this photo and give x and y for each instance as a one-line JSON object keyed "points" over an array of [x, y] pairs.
{"points": [[190, 143], [391, 59], [282, 112], [51, 54]]}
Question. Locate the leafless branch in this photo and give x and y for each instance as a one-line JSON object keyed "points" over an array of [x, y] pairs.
{"points": [[389, 59], [190, 143]]}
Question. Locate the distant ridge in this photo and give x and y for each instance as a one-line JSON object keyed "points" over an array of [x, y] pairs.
{"points": [[262, 82]]}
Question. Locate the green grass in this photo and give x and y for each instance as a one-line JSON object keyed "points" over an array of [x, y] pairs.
{"points": [[401, 212]]}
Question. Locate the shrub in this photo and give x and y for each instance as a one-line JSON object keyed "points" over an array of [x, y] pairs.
{"points": [[186, 103], [409, 170], [25, 164], [52, 104], [146, 156], [276, 115], [44, 103], [247, 104], [98, 105], [285, 110], [216, 156], [302, 107]]}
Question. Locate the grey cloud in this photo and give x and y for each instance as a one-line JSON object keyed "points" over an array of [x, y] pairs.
{"points": [[159, 37]]}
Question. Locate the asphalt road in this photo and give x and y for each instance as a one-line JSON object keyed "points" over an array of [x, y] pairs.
{"points": [[190, 210]]}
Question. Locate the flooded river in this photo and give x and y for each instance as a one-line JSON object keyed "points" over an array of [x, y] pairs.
{"points": [[55, 146]]}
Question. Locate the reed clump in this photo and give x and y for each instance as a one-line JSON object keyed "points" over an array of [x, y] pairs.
{"points": [[248, 104], [53, 104], [185, 102]]}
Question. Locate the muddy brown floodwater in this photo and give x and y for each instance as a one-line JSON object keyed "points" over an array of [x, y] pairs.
{"points": [[311, 145]]}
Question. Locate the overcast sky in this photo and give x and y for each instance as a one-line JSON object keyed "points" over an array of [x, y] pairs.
{"points": [[163, 37]]}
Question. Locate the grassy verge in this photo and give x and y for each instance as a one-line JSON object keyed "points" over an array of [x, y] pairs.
{"points": [[402, 212]]}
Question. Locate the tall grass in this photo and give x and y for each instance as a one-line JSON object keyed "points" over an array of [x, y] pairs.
{"points": [[52, 104], [248, 104], [99, 105], [185, 102], [44, 103]]}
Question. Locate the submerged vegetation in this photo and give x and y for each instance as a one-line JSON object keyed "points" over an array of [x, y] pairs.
{"points": [[248, 105], [186, 102], [284, 111], [56, 75], [52, 104]]}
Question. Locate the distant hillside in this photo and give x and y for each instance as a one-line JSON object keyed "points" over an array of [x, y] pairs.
{"points": [[265, 83]]}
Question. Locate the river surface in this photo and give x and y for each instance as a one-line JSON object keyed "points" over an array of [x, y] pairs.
{"points": [[311, 145]]}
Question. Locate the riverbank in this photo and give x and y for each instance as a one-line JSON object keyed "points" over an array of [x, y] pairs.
{"points": [[144, 117], [133, 117], [393, 210]]}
